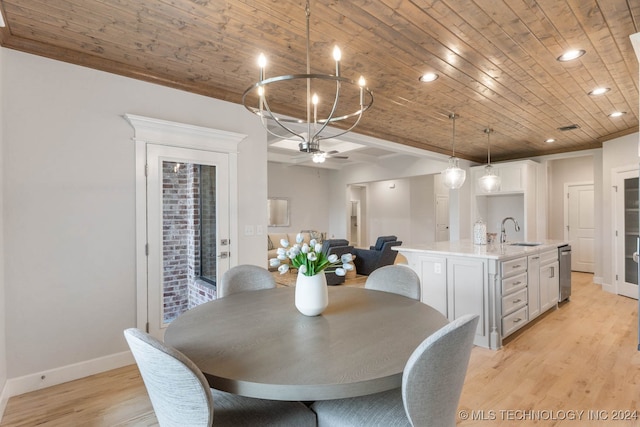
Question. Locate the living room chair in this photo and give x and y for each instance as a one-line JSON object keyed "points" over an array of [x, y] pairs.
{"points": [[431, 386], [399, 279], [378, 255], [338, 247], [181, 396], [245, 277]]}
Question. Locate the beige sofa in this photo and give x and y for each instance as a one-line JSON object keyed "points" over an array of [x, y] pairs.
{"points": [[273, 241]]}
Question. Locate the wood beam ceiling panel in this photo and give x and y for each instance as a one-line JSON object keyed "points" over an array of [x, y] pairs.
{"points": [[496, 60]]}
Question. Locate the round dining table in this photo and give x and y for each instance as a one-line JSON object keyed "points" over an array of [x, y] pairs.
{"points": [[257, 344]]}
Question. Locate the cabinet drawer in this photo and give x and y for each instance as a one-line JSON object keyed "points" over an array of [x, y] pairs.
{"points": [[511, 283], [514, 266], [514, 321], [514, 301], [548, 256]]}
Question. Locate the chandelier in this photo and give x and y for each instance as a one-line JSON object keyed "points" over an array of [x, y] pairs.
{"points": [[349, 101], [489, 182], [453, 176]]}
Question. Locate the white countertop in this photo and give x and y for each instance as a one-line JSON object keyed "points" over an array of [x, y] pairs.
{"points": [[466, 248]]}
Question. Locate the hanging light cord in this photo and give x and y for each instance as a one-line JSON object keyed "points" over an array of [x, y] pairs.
{"points": [[488, 132], [453, 117]]}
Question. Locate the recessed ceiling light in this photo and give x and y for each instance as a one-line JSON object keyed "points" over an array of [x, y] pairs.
{"points": [[570, 55], [599, 91], [428, 77], [617, 114], [550, 140]]}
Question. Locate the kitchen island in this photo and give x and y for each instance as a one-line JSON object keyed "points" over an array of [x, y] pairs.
{"points": [[507, 285]]}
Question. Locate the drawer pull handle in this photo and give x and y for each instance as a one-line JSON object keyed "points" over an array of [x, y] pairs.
{"points": [[517, 320], [517, 301], [516, 266], [517, 283]]}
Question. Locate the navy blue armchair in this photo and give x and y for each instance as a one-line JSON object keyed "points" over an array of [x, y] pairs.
{"points": [[378, 255], [338, 247]]}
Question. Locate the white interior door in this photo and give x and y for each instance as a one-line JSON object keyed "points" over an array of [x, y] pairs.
{"points": [[627, 226], [354, 223], [187, 234], [581, 226], [442, 218]]}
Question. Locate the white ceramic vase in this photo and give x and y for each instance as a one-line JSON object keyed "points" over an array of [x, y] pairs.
{"points": [[312, 296]]}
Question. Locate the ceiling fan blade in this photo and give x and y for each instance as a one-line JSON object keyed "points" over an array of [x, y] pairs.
{"points": [[332, 154]]}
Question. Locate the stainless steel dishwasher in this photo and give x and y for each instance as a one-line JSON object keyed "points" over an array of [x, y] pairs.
{"points": [[564, 257]]}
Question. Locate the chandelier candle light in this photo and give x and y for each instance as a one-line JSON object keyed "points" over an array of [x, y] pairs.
{"points": [[489, 182], [256, 99], [453, 176]]}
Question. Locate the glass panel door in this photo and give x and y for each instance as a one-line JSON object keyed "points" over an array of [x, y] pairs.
{"points": [[188, 230], [630, 229], [627, 228]]}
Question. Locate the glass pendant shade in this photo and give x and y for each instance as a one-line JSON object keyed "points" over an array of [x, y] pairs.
{"points": [[489, 182], [453, 176]]}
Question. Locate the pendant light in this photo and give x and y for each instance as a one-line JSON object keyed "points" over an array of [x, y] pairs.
{"points": [[489, 182], [453, 176]]}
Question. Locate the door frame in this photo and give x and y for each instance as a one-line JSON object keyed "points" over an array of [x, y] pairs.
{"points": [[616, 177], [161, 132]]}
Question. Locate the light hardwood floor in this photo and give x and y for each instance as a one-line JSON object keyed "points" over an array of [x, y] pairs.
{"points": [[580, 357]]}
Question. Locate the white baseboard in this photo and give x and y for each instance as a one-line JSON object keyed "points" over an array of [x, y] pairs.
{"points": [[37, 381], [609, 288], [598, 280]]}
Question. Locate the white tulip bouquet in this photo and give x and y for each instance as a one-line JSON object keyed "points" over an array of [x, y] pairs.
{"points": [[309, 259]]}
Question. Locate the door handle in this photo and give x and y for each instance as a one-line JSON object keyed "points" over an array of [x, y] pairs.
{"points": [[635, 257]]}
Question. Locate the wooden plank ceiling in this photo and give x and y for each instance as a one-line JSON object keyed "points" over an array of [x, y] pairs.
{"points": [[496, 59]]}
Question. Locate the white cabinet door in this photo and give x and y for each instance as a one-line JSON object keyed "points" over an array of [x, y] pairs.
{"points": [[533, 279], [549, 286], [468, 293], [512, 178]]}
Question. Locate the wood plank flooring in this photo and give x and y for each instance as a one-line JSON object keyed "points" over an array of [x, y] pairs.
{"points": [[581, 357]]}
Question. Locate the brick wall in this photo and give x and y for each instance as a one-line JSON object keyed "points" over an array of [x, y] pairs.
{"points": [[181, 239]]}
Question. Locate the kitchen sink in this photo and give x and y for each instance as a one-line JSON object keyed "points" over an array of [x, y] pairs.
{"points": [[525, 244]]}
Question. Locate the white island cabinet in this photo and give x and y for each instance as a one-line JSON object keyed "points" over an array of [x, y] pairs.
{"points": [[506, 285]]}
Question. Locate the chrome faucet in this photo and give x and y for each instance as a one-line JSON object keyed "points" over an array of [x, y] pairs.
{"points": [[503, 233]]}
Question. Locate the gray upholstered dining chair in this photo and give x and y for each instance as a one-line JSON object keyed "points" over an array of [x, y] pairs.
{"points": [[399, 279], [244, 277], [431, 386], [180, 394]]}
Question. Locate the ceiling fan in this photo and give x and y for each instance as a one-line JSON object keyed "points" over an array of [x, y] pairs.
{"points": [[318, 156], [321, 156]]}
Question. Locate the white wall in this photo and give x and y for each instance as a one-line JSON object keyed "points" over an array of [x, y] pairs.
{"points": [[3, 307], [562, 172], [307, 189], [388, 204], [422, 214], [68, 172], [397, 168]]}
